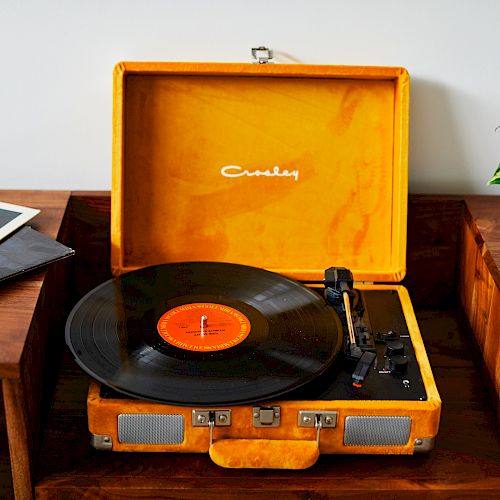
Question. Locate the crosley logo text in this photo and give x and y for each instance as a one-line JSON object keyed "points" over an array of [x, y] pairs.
{"points": [[235, 171]]}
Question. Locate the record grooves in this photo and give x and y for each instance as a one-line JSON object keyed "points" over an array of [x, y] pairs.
{"points": [[203, 333]]}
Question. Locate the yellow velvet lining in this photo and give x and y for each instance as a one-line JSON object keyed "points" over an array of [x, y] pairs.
{"points": [[339, 132]]}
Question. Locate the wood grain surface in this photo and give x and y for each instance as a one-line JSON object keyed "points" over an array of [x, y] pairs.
{"points": [[483, 217], [5, 477], [479, 283], [18, 298], [30, 315], [20, 437], [90, 228], [433, 249]]}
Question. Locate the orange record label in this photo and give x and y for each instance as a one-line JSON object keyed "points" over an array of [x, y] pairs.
{"points": [[204, 326]]}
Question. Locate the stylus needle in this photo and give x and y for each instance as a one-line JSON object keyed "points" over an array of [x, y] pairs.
{"points": [[203, 324]]}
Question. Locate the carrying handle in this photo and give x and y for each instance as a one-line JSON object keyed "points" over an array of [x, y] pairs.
{"points": [[265, 453]]}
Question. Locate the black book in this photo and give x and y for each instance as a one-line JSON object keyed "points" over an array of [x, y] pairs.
{"points": [[28, 249]]}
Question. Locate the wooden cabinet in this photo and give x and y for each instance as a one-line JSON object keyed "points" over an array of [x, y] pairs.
{"points": [[454, 280]]}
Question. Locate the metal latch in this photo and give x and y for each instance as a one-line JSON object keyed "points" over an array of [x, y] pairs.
{"points": [[317, 419], [211, 419], [309, 418], [262, 55], [264, 416], [202, 418]]}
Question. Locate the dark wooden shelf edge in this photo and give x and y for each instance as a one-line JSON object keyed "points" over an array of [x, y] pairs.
{"points": [[127, 486], [483, 216], [479, 284]]}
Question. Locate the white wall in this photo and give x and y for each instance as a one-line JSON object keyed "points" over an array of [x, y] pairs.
{"points": [[56, 59]]}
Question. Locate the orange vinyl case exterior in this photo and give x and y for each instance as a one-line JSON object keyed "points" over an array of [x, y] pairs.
{"points": [[293, 168]]}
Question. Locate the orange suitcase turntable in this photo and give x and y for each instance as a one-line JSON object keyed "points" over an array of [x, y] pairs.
{"points": [[235, 186]]}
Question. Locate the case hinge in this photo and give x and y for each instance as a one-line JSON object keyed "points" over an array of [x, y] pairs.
{"points": [[101, 442]]}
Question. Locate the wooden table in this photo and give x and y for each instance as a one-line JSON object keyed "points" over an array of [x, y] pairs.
{"points": [[28, 308], [450, 239]]}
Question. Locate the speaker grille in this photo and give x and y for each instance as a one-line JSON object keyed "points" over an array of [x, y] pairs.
{"points": [[150, 428], [377, 431]]}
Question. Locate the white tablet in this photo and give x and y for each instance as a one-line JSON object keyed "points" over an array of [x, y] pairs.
{"points": [[13, 217]]}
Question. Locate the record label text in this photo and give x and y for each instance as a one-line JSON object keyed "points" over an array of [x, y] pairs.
{"points": [[203, 327]]}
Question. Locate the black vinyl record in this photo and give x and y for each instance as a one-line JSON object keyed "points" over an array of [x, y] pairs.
{"points": [[203, 333]]}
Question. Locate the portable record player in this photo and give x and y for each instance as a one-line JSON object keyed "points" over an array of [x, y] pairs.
{"points": [[285, 168]]}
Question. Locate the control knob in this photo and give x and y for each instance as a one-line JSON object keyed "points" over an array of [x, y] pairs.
{"points": [[394, 348], [398, 365]]}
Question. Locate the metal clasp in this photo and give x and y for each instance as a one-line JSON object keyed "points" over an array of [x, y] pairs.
{"points": [[319, 426], [318, 419], [211, 419], [202, 418], [308, 418], [262, 55], [266, 416], [211, 424]]}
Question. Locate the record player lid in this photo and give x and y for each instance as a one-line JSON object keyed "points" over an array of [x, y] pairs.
{"points": [[292, 168]]}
